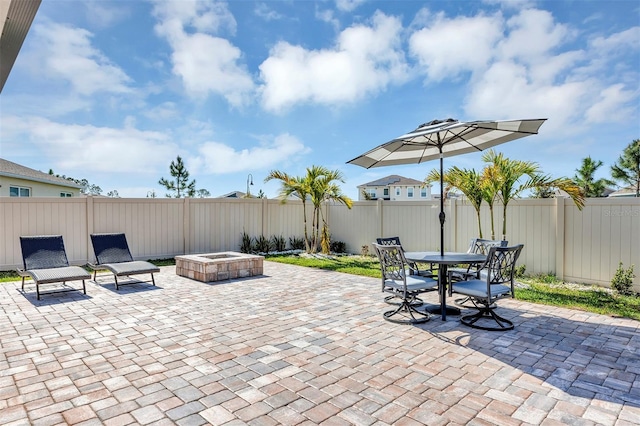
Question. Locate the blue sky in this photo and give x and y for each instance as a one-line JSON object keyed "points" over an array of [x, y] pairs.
{"points": [[113, 91]]}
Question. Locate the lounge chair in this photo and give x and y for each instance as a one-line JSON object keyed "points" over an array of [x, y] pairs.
{"points": [[45, 260], [112, 253]]}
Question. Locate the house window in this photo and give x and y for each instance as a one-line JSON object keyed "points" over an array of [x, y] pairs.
{"points": [[66, 194], [397, 191], [423, 192], [410, 192], [17, 191], [385, 192], [372, 193]]}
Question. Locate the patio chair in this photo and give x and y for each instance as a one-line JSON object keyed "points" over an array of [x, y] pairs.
{"points": [[479, 246], [413, 266], [45, 260], [112, 253], [397, 281], [483, 293]]}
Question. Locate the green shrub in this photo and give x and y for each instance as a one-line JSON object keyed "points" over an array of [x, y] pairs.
{"points": [[296, 243], [261, 244], [622, 280], [519, 271], [278, 243], [245, 244], [338, 247]]}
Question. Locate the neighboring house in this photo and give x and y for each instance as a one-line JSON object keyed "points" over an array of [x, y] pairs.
{"points": [[629, 191], [234, 194], [395, 188], [21, 181]]}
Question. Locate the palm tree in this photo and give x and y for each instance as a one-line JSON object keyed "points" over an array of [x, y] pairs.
{"points": [[467, 181], [490, 189], [322, 182], [627, 168], [293, 185], [585, 178], [507, 174]]}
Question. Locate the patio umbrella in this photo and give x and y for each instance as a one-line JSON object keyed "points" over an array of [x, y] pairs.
{"points": [[445, 138]]}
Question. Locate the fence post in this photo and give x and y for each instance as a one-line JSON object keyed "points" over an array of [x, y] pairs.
{"points": [[379, 202], [90, 222], [186, 237], [559, 272], [453, 225], [265, 218]]}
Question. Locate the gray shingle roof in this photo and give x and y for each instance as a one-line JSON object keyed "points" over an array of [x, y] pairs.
{"points": [[10, 169], [392, 180]]}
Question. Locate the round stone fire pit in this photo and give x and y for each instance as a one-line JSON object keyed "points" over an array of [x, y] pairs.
{"points": [[219, 266]]}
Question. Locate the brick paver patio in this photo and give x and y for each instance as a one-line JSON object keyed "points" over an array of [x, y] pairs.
{"points": [[301, 346]]}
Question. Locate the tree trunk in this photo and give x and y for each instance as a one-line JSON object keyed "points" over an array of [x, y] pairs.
{"points": [[306, 234], [479, 224], [504, 222]]}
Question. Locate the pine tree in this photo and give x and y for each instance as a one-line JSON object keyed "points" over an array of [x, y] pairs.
{"points": [[585, 178], [627, 168], [181, 185]]}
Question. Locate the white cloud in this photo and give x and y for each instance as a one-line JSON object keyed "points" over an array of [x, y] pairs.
{"points": [[365, 60], [506, 90], [66, 52], [611, 104], [205, 63], [91, 148], [328, 17], [348, 5], [532, 35], [449, 47], [263, 11], [218, 158], [165, 111], [529, 66], [103, 15]]}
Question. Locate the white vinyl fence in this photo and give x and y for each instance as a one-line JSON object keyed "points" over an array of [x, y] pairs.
{"points": [[582, 246]]}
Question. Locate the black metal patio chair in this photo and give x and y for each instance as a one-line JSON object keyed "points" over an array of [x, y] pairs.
{"points": [[413, 269], [45, 261], [483, 293], [478, 246], [112, 253], [397, 281]]}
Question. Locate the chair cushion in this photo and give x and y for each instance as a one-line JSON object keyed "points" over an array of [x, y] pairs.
{"points": [[478, 288], [414, 283], [131, 268], [54, 275]]}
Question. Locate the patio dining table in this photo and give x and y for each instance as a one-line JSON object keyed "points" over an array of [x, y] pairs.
{"points": [[443, 262]]}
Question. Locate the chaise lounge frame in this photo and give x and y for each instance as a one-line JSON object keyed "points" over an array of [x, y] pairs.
{"points": [[44, 260], [112, 253]]}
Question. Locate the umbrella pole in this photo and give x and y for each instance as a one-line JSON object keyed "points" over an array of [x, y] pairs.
{"points": [[442, 215]]}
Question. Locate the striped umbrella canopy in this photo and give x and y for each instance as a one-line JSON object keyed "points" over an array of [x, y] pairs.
{"points": [[445, 138]]}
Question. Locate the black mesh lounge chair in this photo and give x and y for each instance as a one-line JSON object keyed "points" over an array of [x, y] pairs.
{"points": [[45, 261], [112, 253]]}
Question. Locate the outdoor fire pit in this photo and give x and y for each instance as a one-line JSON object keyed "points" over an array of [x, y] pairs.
{"points": [[219, 266]]}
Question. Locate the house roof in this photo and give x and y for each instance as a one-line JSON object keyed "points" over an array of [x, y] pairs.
{"points": [[14, 170], [393, 180], [628, 191]]}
